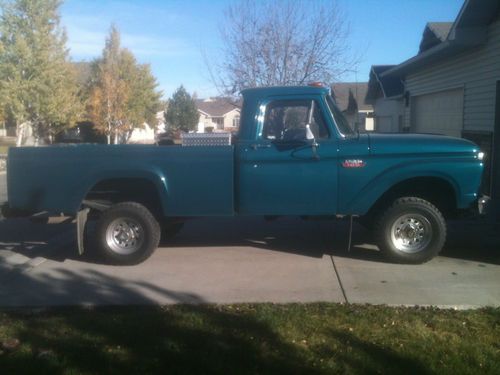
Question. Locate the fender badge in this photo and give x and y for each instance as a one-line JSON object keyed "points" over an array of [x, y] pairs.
{"points": [[353, 163]]}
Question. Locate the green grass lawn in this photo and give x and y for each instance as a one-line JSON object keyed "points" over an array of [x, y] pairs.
{"points": [[3, 149], [252, 339]]}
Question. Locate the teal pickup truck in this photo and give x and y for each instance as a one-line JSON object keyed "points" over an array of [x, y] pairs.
{"points": [[295, 154]]}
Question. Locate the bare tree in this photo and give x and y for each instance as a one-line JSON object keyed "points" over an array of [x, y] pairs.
{"points": [[281, 42]]}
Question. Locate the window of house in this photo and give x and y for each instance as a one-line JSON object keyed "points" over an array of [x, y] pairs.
{"points": [[236, 121], [288, 119]]}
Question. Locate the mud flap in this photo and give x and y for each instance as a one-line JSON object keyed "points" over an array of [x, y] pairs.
{"points": [[81, 220]]}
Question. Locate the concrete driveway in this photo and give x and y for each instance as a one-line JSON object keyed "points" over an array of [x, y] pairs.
{"points": [[247, 260]]}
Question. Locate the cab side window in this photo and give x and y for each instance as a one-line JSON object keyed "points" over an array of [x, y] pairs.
{"points": [[288, 119]]}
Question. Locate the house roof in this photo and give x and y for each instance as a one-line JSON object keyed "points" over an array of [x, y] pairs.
{"points": [[387, 87], [434, 33], [216, 107], [342, 91], [470, 29], [440, 29]]}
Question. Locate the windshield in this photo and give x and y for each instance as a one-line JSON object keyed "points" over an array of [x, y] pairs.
{"points": [[339, 118]]}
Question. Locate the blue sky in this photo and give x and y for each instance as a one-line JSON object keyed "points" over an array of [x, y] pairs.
{"points": [[172, 35]]}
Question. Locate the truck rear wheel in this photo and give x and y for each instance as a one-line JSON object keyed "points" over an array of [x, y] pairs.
{"points": [[127, 233], [411, 231]]}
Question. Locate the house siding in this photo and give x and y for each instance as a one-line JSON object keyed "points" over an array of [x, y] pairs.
{"points": [[476, 71]]}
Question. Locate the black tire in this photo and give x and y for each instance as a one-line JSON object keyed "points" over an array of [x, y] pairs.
{"points": [[410, 231], [127, 234], [170, 230]]}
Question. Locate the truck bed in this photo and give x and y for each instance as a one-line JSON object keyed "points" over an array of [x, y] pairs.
{"points": [[191, 181]]}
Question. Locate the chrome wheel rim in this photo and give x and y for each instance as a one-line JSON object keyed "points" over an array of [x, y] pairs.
{"points": [[411, 233], [124, 236]]}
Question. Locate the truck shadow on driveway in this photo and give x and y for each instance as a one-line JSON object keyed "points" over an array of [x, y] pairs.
{"points": [[312, 238], [25, 238], [470, 241]]}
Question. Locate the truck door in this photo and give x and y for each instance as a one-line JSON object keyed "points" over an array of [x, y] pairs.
{"points": [[290, 168]]}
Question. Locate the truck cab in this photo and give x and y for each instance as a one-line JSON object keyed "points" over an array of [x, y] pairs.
{"points": [[333, 169]]}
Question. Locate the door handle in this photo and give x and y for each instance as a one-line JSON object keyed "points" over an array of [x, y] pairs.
{"points": [[256, 146]]}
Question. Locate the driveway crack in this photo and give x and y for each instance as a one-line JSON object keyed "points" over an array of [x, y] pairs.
{"points": [[326, 250], [339, 280]]}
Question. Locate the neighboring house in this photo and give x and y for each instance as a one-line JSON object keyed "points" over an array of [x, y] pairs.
{"points": [[350, 98], [218, 114], [452, 86], [147, 133], [386, 95], [143, 135]]}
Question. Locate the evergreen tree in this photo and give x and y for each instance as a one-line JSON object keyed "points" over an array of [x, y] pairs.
{"points": [[37, 81], [182, 114]]}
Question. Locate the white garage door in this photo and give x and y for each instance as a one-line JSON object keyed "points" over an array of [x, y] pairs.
{"points": [[439, 113]]}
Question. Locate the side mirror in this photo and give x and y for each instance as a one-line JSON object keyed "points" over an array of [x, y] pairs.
{"points": [[314, 145], [309, 133]]}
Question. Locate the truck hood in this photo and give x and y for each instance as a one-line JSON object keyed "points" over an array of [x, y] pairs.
{"points": [[419, 144]]}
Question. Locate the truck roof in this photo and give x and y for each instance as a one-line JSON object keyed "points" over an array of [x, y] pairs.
{"points": [[284, 90]]}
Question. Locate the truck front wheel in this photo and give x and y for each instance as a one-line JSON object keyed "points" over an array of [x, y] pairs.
{"points": [[411, 231], [127, 233]]}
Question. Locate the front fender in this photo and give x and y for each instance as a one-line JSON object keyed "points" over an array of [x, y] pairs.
{"points": [[377, 178]]}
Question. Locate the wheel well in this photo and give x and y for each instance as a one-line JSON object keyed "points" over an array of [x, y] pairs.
{"points": [[435, 190], [116, 190]]}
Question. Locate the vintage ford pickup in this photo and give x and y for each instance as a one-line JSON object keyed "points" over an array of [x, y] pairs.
{"points": [[295, 154]]}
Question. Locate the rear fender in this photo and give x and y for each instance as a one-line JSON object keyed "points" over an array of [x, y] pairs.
{"points": [[156, 177]]}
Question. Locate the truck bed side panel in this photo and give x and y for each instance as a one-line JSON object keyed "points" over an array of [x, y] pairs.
{"points": [[191, 181]]}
